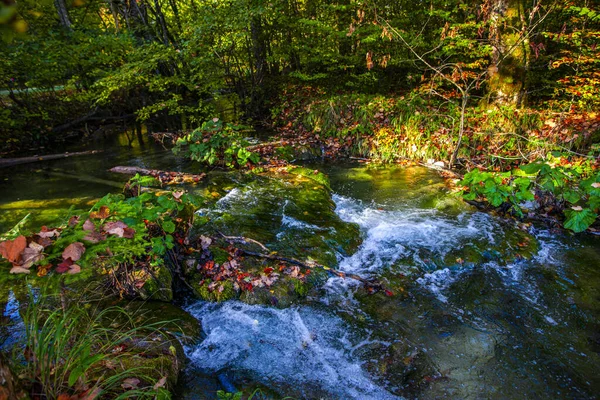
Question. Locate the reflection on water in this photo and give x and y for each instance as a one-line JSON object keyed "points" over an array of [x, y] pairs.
{"points": [[48, 188]]}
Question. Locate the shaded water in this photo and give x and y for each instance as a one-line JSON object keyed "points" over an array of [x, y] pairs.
{"points": [[480, 309]]}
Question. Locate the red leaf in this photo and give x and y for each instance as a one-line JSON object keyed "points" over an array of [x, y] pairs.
{"points": [[389, 293], [74, 251], [128, 233], [64, 266], [12, 249], [268, 270]]}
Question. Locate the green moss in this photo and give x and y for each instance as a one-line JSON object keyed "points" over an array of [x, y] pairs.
{"points": [[158, 283], [203, 292], [301, 288], [315, 175], [219, 255]]}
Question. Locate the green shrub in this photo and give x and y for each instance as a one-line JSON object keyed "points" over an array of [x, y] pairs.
{"points": [[217, 143]]}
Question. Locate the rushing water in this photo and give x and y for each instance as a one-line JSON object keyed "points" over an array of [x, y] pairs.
{"points": [[480, 308]]}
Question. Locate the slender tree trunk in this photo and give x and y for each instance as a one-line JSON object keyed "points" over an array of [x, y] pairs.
{"points": [[461, 129], [63, 14], [163, 24], [510, 53], [115, 14]]}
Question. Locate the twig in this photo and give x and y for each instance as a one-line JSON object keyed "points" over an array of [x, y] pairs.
{"points": [[243, 240]]}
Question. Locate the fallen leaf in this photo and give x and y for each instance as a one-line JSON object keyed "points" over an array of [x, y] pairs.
{"points": [[74, 220], [130, 383], [47, 233], [32, 255], [88, 225], [596, 185], [12, 249], [43, 270], [91, 394], [128, 233], [74, 251], [94, 237], [161, 383], [74, 269], [577, 208], [64, 266], [19, 270], [44, 242], [116, 228], [102, 213]]}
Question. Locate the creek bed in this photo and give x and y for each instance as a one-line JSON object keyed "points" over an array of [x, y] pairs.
{"points": [[480, 309]]}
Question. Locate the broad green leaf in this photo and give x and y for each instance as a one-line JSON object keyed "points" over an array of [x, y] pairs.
{"points": [[579, 221]]}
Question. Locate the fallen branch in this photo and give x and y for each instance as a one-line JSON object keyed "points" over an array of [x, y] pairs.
{"points": [[9, 162], [165, 177], [369, 283], [243, 240]]}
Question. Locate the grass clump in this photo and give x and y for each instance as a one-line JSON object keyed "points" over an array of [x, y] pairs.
{"points": [[81, 351]]}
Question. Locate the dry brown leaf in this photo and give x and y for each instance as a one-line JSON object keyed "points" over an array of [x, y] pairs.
{"points": [[74, 220], [130, 383], [48, 233], [91, 394], [161, 383], [116, 228], [74, 269], [19, 270], [12, 249], [94, 237], [74, 251], [88, 225], [102, 213]]}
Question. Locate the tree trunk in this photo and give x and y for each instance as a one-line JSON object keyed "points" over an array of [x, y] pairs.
{"points": [[115, 14], [63, 14], [510, 53]]}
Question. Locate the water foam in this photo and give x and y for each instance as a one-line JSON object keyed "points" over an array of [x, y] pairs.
{"points": [[300, 349], [392, 235]]}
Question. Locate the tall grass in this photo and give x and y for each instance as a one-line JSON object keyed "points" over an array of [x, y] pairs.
{"points": [[73, 350]]}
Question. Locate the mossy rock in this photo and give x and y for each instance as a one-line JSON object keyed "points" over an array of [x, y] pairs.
{"points": [[154, 357], [265, 281], [222, 292], [167, 317], [290, 212]]}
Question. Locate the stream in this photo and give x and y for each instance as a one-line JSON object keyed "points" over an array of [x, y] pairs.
{"points": [[480, 308]]}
